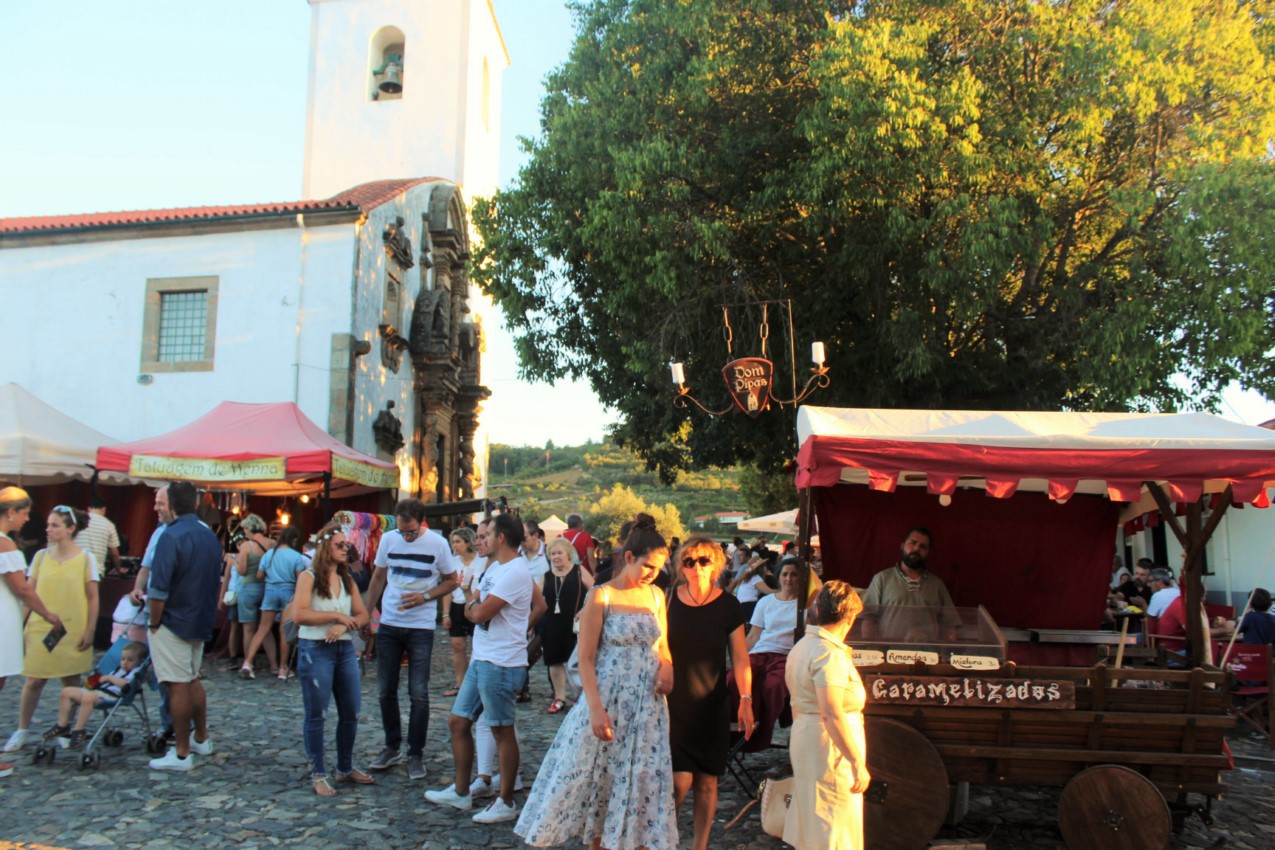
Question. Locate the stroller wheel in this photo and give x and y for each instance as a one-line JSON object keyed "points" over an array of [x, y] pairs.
{"points": [[155, 745], [91, 761], [43, 753], [114, 737]]}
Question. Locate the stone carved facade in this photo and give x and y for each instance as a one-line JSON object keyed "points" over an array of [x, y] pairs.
{"points": [[444, 343]]}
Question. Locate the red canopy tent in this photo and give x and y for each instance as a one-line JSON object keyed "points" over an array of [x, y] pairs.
{"points": [[270, 449], [1038, 553]]}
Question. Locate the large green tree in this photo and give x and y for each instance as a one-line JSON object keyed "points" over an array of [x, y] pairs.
{"points": [[1016, 204]]}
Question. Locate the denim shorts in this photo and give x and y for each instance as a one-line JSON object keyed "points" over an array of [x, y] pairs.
{"points": [[250, 596], [277, 597], [490, 691]]}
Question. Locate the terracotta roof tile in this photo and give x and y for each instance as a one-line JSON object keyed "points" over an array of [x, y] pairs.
{"points": [[363, 197]]}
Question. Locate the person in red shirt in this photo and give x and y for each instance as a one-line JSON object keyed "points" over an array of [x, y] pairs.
{"points": [[583, 542]]}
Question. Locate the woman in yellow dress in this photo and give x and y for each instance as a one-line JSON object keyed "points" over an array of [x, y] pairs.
{"points": [[827, 746], [65, 577]]}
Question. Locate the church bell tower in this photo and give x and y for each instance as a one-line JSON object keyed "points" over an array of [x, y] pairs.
{"points": [[402, 89]]}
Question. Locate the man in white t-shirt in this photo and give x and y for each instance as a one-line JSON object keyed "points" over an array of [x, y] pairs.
{"points": [[1163, 591], [508, 602], [414, 569]]}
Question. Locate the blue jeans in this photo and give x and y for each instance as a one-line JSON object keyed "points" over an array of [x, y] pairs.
{"points": [[392, 643], [329, 670]]}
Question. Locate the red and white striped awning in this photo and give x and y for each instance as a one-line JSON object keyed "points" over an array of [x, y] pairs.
{"points": [[1061, 454]]}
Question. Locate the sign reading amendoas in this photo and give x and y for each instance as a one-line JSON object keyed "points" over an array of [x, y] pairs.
{"points": [[971, 691], [364, 473], [207, 469], [749, 380]]}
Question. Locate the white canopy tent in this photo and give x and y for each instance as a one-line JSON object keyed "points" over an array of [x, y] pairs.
{"points": [[553, 528], [784, 522], [41, 445]]}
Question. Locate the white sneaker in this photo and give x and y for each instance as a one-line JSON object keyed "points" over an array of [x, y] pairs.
{"points": [[171, 761], [497, 811], [495, 782], [449, 797], [16, 741], [481, 789], [203, 748]]}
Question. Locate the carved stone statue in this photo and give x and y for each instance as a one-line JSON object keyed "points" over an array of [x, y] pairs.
{"points": [[388, 430], [429, 322], [397, 245]]}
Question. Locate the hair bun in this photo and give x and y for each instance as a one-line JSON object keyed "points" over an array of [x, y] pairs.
{"points": [[646, 522]]}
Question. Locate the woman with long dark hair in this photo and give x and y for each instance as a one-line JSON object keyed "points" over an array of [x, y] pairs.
{"points": [[328, 611], [607, 778]]}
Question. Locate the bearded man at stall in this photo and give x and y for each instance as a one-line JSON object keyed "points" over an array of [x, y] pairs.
{"points": [[906, 585]]}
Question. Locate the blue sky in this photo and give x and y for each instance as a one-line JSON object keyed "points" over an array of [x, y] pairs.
{"points": [[142, 104], [137, 104]]}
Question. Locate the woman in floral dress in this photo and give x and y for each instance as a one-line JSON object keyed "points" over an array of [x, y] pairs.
{"points": [[607, 779]]}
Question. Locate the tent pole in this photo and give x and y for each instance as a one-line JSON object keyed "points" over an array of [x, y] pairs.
{"points": [[326, 504], [805, 521]]}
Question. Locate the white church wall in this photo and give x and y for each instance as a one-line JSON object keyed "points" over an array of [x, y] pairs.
{"points": [[1241, 554], [75, 324]]}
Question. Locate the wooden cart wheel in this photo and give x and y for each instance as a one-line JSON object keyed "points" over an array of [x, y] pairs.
{"points": [[915, 787], [1112, 807]]}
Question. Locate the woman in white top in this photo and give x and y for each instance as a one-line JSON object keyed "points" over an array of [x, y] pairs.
{"points": [[15, 592], [328, 610], [469, 566], [774, 622]]}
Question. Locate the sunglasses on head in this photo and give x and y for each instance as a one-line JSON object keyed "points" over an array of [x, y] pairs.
{"points": [[701, 561]]}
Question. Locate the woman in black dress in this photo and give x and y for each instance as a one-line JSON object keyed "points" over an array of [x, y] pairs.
{"points": [[704, 623], [564, 588]]}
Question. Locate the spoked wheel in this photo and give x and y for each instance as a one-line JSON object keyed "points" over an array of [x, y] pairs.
{"points": [[1112, 807], [908, 801]]}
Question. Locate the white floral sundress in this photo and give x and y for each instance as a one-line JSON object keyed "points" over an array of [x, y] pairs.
{"points": [[581, 775]]}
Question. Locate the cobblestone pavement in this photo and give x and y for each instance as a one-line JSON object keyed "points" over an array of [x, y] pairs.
{"points": [[252, 792]]}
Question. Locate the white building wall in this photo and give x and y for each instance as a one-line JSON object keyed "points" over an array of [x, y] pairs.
{"points": [[352, 139], [1241, 555], [73, 324]]}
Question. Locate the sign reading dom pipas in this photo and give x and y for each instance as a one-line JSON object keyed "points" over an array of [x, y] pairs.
{"points": [[749, 380], [971, 691]]}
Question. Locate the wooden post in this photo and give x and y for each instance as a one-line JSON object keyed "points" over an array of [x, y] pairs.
{"points": [[1193, 539], [805, 521]]}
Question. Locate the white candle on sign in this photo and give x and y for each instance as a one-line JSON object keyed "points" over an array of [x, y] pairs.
{"points": [[679, 377], [816, 353]]}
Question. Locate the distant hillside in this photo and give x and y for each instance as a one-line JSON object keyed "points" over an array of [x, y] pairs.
{"points": [[567, 479]]}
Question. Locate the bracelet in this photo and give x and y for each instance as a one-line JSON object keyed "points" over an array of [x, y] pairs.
{"points": [[748, 697]]}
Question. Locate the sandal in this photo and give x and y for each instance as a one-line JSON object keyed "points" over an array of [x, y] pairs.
{"points": [[356, 776], [556, 706], [322, 786], [451, 692]]}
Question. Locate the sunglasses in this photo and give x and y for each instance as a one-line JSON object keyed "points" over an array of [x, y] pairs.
{"points": [[701, 561], [63, 509], [342, 545]]}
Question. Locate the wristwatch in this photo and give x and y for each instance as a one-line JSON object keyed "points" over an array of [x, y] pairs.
{"points": [[155, 626]]}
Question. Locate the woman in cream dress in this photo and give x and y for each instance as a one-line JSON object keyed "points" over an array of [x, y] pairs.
{"points": [[829, 755]]}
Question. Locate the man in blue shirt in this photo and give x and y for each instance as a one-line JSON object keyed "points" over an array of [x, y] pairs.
{"points": [[184, 580]]}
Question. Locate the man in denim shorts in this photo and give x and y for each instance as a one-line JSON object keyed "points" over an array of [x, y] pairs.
{"points": [[184, 581], [508, 601]]}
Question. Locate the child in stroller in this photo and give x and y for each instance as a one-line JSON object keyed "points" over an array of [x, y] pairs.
{"points": [[100, 687]]}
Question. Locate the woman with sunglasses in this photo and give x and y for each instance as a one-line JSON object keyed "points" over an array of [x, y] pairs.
{"points": [[328, 611], [705, 624], [65, 577]]}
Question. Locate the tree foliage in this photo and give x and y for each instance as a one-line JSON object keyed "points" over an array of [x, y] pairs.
{"points": [[767, 491], [620, 504], [975, 204]]}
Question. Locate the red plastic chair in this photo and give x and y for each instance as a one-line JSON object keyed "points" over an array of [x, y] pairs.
{"points": [[1252, 692]]}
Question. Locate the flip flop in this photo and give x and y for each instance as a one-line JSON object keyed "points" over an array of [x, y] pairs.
{"points": [[556, 706], [322, 786]]}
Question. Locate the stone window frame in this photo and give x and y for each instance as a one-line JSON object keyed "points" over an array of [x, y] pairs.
{"points": [[156, 287]]}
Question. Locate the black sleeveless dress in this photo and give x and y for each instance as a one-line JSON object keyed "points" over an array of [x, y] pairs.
{"points": [[567, 595], [699, 706]]}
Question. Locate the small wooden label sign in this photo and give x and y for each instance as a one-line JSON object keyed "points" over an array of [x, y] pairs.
{"points": [[749, 381], [971, 691]]}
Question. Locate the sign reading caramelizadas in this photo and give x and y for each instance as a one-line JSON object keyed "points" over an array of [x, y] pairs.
{"points": [[364, 473], [971, 692], [207, 469]]}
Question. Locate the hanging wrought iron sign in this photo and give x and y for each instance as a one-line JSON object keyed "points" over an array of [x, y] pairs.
{"points": [[749, 380]]}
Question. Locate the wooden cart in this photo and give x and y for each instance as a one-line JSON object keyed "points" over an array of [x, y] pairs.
{"points": [[1135, 750]]}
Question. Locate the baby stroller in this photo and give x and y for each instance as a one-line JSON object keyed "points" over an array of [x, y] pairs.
{"points": [[134, 697]]}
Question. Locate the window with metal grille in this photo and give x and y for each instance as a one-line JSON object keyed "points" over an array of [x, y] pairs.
{"points": [[183, 326]]}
